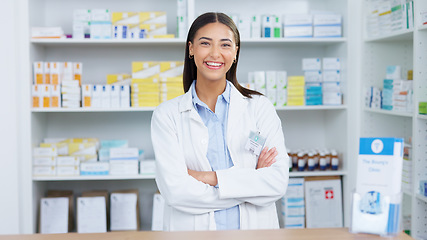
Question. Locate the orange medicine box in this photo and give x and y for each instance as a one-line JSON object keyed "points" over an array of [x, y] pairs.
{"points": [[87, 95], [38, 73], [55, 96], [47, 72], [78, 71], [36, 96]]}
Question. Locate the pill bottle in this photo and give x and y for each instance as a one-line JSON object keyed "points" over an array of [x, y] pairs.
{"points": [[322, 161], [328, 158], [311, 161], [301, 161], [334, 160]]}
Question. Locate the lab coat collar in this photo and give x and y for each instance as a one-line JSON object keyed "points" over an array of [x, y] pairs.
{"points": [[236, 99]]}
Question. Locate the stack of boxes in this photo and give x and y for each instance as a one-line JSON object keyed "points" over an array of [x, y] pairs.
{"points": [[272, 84], [296, 85], [313, 81], [136, 25], [389, 16], [298, 25], [332, 81], [397, 94], [124, 161], [373, 98], [155, 82], [81, 23], [44, 161], [100, 24], [327, 25], [68, 166], [293, 205], [48, 78], [145, 90]]}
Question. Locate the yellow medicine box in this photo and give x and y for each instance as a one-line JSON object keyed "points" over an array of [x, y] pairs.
{"points": [[296, 81]]}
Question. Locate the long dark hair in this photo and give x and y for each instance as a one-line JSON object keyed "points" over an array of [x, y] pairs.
{"points": [[190, 69]]}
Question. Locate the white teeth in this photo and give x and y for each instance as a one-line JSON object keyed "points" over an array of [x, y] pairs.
{"points": [[213, 64]]}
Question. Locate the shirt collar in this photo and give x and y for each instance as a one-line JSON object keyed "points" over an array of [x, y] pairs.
{"points": [[196, 101]]}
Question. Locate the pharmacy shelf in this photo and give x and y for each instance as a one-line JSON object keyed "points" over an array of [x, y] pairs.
{"points": [[88, 178], [131, 109], [421, 197], [420, 116], [107, 42], [317, 173], [389, 112], [422, 27], [318, 107], [294, 41], [177, 41], [406, 34], [150, 109]]}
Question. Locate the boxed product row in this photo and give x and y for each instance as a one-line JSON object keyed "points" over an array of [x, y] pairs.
{"points": [[289, 25], [388, 16], [318, 86], [396, 94], [313, 159], [56, 72], [96, 211], [104, 24], [70, 95], [88, 156]]}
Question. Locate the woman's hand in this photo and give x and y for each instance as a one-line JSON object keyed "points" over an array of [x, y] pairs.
{"points": [[266, 157], [208, 177]]}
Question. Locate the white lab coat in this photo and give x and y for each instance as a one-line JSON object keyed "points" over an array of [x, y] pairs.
{"points": [[180, 141]]}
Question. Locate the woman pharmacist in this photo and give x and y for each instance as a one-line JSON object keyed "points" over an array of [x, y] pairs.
{"points": [[206, 141]]}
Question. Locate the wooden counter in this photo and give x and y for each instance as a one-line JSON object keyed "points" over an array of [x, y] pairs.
{"points": [[294, 234]]}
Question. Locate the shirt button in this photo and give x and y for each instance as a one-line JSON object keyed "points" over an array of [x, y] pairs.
{"points": [[204, 141]]}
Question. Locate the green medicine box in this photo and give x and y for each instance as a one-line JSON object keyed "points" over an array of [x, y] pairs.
{"points": [[422, 108]]}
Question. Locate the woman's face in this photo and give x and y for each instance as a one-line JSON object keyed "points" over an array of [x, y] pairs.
{"points": [[214, 50]]}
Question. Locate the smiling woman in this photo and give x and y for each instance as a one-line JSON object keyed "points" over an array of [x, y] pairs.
{"points": [[208, 177]]}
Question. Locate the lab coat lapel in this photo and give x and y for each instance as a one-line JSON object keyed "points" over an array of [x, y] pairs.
{"points": [[198, 133], [238, 106]]}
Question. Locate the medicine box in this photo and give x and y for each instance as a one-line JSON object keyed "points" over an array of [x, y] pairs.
{"points": [[68, 161], [46, 71], [313, 76], [298, 32], [87, 95], [68, 170], [147, 167], [327, 19], [331, 76], [38, 69], [94, 168], [36, 96], [44, 152], [331, 64], [256, 26], [44, 171], [311, 64], [270, 77], [124, 153], [327, 31], [44, 161], [124, 167], [56, 69], [281, 80]]}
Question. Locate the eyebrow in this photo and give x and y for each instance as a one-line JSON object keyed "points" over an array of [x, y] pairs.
{"points": [[210, 39]]}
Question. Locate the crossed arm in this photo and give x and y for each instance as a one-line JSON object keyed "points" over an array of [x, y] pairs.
{"points": [[266, 159]]}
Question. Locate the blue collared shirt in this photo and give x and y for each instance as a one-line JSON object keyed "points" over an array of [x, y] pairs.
{"points": [[218, 154]]}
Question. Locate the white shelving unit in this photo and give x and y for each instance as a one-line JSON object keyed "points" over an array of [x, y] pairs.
{"points": [[304, 127], [408, 49]]}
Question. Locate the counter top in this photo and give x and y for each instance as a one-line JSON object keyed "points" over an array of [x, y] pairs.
{"points": [[294, 234]]}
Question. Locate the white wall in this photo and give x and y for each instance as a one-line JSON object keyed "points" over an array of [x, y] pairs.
{"points": [[9, 185]]}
